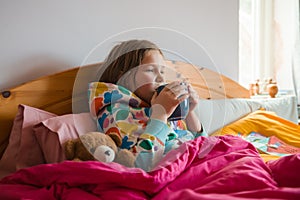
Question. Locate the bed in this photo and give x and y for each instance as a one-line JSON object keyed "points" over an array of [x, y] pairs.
{"points": [[234, 162]]}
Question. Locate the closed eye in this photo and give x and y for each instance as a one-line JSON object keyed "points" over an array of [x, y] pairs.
{"points": [[149, 70]]}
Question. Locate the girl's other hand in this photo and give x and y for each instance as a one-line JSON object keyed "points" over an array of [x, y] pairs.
{"points": [[194, 97]]}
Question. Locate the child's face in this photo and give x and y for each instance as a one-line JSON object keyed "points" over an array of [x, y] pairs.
{"points": [[150, 75]]}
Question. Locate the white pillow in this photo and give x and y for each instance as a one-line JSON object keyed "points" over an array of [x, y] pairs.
{"points": [[215, 114], [284, 106]]}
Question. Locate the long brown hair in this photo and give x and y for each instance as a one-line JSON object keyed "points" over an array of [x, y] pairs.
{"points": [[123, 57]]}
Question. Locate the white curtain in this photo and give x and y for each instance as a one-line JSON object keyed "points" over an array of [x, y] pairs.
{"points": [[296, 55], [286, 27], [263, 43]]}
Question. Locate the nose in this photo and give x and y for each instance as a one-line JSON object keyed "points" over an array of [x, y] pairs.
{"points": [[160, 77]]}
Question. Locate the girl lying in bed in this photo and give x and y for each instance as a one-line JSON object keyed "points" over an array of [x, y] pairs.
{"points": [[215, 167], [129, 109]]}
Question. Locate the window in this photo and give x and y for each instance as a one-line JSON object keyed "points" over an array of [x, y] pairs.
{"points": [[269, 36]]}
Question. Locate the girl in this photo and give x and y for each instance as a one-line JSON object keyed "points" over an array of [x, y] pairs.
{"points": [[128, 108]]}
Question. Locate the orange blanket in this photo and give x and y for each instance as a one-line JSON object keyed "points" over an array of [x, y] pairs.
{"points": [[267, 124]]}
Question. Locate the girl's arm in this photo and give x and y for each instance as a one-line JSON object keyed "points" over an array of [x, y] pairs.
{"points": [[151, 146], [192, 120]]}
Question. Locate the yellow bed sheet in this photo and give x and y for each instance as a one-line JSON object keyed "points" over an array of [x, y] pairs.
{"points": [[267, 124]]}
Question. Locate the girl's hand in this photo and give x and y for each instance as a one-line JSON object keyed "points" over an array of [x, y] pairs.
{"points": [[164, 103], [194, 97]]}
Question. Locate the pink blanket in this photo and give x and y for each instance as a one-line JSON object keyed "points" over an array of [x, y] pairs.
{"points": [[223, 167]]}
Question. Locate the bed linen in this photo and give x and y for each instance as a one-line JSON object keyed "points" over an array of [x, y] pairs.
{"points": [[216, 167], [267, 124]]}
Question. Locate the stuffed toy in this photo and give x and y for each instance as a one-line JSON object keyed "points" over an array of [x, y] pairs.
{"points": [[97, 146]]}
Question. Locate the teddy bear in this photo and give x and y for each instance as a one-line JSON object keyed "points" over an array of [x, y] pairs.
{"points": [[97, 146]]}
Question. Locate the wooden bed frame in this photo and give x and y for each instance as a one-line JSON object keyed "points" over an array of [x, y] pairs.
{"points": [[66, 92]]}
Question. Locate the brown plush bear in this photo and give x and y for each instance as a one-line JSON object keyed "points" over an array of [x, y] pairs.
{"points": [[97, 146]]}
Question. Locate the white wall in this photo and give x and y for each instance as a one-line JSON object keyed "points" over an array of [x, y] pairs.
{"points": [[39, 37]]}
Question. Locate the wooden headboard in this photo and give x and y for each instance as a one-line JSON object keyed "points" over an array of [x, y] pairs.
{"points": [[66, 92]]}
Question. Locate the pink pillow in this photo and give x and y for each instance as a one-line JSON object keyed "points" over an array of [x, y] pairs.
{"points": [[52, 133], [23, 150]]}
